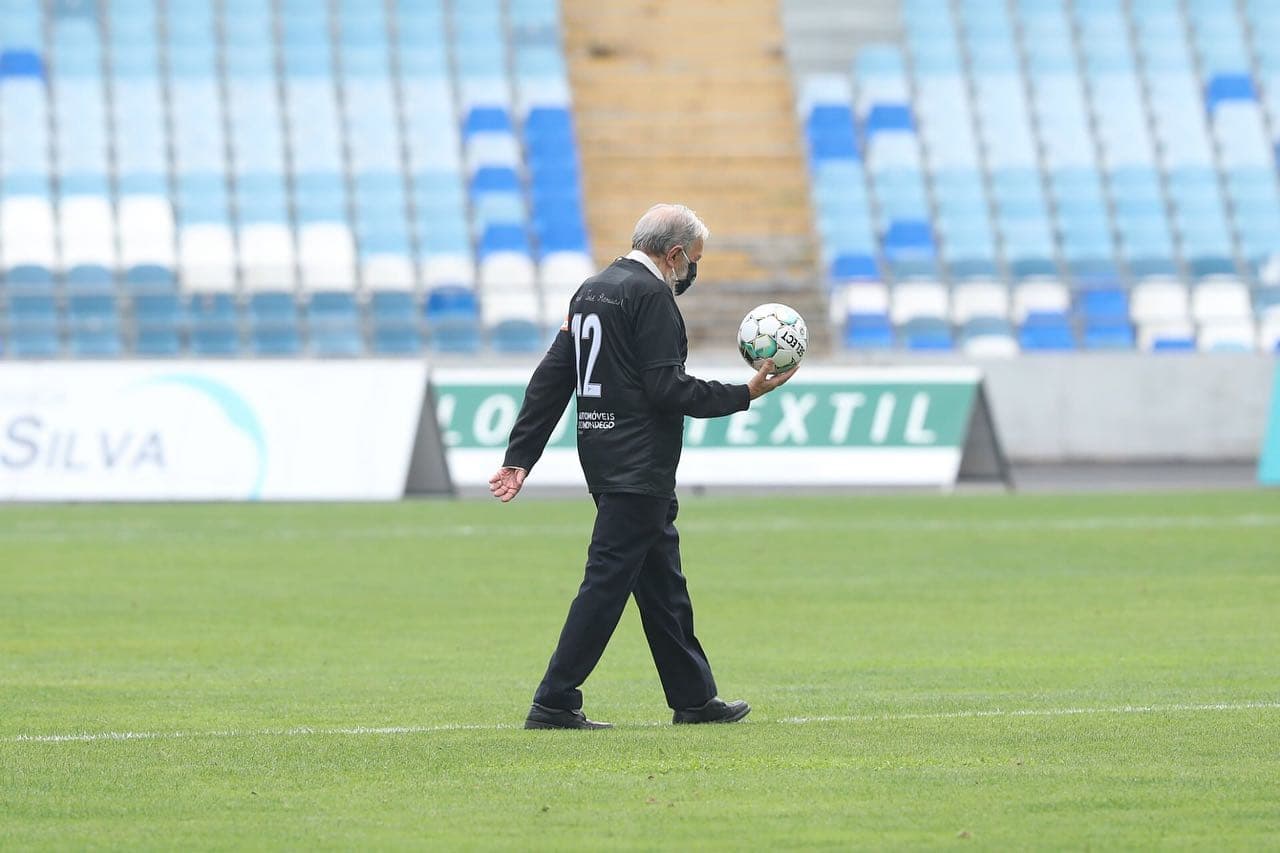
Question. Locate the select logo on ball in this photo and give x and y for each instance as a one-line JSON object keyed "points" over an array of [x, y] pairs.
{"points": [[773, 331]]}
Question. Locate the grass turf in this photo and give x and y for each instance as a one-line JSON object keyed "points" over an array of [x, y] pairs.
{"points": [[906, 618]]}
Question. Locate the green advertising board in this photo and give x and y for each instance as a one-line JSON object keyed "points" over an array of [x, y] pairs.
{"points": [[887, 426]]}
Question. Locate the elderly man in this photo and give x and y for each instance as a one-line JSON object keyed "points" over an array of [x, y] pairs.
{"points": [[622, 350]]}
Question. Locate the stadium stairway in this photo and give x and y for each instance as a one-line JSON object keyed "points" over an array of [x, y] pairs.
{"points": [[694, 104]]}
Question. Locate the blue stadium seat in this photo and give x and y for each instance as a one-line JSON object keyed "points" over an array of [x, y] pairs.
{"points": [[29, 278], [273, 324], [447, 303], [927, 334], [1104, 304], [553, 123], [275, 339], [516, 336], [398, 339], [454, 336], [909, 240], [504, 238], [453, 317], [158, 321], [157, 341], [89, 278], [16, 62], [495, 179], [1108, 333], [1229, 87], [487, 120], [333, 323], [868, 331], [150, 278], [33, 342], [855, 268], [1040, 332], [214, 329], [98, 342], [393, 318]]}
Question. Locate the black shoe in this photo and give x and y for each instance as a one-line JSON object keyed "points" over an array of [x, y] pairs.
{"points": [[715, 711], [542, 717]]}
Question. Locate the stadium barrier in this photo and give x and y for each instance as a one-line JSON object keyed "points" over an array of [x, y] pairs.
{"points": [[890, 426], [289, 430], [1269, 464], [381, 430]]}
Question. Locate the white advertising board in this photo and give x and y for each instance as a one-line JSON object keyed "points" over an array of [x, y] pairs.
{"points": [[287, 430]]}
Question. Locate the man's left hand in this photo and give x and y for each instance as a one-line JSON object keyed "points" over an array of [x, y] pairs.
{"points": [[506, 483]]}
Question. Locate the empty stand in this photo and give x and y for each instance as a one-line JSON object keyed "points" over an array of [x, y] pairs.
{"points": [[1065, 174], [237, 177]]}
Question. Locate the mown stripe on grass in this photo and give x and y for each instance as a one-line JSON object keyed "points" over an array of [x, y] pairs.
{"points": [[53, 532], [302, 731]]}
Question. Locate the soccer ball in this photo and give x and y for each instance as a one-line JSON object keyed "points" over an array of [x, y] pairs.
{"points": [[773, 331]]}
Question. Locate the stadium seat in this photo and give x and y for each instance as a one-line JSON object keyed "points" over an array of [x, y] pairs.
{"points": [[214, 337], [988, 337], [1227, 336], [919, 299], [333, 324], [1040, 296], [1159, 300], [1046, 332], [868, 331], [1108, 333]]}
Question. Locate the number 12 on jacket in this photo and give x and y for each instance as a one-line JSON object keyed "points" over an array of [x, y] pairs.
{"points": [[586, 327]]}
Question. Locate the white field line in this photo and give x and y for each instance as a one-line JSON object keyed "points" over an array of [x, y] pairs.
{"points": [[123, 532], [304, 731]]}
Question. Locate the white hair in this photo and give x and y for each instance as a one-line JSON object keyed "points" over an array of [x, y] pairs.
{"points": [[666, 225]]}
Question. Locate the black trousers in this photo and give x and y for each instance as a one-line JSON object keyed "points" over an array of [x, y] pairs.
{"points": [[635, 550]]}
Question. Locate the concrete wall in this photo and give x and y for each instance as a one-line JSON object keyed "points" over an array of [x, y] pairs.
{"points": [[1127, 406]]}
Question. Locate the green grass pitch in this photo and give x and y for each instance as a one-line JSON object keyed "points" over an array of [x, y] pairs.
{"points": [[992, 671]]}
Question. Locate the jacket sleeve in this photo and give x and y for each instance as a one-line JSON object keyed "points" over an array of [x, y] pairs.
{"points": [[549, 390], [670, 389]]}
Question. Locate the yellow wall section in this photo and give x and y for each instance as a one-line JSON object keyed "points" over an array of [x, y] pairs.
{"points": [[692, 102]]}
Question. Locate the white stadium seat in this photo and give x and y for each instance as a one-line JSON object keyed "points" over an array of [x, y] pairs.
{"points": [[326, 256], [506, 271], [448, 269], [979, 298], [1040, 296], [566, 268], [146, 231], [511, 304], [991, 346], [1227, 335], [207, 256], [869, 297], [1220, 298], [492, 149], [26, 232], [387, 272], [1158, 299], [1269, 333], [87, 229], [542, 92], [913, 300], [267, 256], [818, 89], [483, 92], [555, 303]]}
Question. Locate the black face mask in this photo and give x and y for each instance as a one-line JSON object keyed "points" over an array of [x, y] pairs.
{"points": [[683, 284]]}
